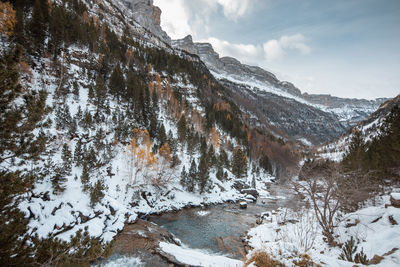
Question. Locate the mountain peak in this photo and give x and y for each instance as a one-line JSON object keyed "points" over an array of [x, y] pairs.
{"points": [[148, 16]]}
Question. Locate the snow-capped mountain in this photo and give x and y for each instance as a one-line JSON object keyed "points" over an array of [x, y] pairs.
{"points": [[265, 85], [369, 129]]}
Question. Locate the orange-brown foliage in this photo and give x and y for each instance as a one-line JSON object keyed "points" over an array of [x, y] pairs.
{"points": [[262, 259], [151, 87], [149, 67], [223, 106], [129, 56], [7, 19], [158, 83], [215, 137], [86, 17], [165, 152], [24, 68]]}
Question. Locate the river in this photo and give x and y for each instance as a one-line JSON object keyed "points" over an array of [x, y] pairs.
{"points": [[217, 229]]}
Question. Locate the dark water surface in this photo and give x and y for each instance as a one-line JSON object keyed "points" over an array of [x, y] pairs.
{"points": [[218, 229]]}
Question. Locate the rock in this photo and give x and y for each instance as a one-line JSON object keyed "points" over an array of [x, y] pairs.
{"points": [[148, 16], [84, 218], [325, 125], [348, 225], [243, 204], [395, 200], [142, 235], [240, 185], [392, 220], [250, 198], [46, 196], [251, 191]]}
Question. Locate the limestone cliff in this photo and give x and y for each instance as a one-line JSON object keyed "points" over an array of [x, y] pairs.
{"points": [[148, 16]]}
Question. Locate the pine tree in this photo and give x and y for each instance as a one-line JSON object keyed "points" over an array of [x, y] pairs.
{"points": [[182, 128], [98, 139], [67, 159], [63, 117], [212, 161], [58, 180], [57, 26], [265, 163], [203, 174], [97, 193], [354, 157], [72, 129], [87, 119], [91, 158], [38, 25], [75, 91], [100, 92], [91, 94], [220, 173], [223, 159], [78, 153], [184, 177], [239, 163], [192, 176], [162, 136], [117, 82], [85, 178], [153, 128]]}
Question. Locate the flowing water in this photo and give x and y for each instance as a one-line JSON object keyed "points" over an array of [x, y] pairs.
{"points": [[219, 228]]}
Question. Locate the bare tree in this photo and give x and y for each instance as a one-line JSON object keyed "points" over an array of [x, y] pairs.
{"points": [[320, 185]]}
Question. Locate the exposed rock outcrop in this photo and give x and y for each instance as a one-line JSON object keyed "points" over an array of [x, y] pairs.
{"points": [[148, 16], [347, 111]]}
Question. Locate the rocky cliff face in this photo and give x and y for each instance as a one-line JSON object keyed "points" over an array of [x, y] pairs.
{"points": [[148, 16], [348, 111], [273, 103]]}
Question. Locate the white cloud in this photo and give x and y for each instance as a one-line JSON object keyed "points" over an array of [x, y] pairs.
{"points": [[276, 49], [182, 17], [295, 41], [234, 9], [247, 53], [174, 18], [273, 50]]}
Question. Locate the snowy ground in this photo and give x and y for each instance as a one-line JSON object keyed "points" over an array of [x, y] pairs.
{"points": [[197, 257], [286, 235]]}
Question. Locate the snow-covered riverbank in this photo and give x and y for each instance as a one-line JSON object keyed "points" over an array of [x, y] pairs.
{"points": [[288, 235]]}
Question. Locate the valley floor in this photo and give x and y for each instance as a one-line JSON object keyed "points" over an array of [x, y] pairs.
{"points": [[290, 236]]}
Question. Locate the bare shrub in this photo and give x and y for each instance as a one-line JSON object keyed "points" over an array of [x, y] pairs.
{"points": [[356, 188], [263, 259], [300, 236], [320, 185]]}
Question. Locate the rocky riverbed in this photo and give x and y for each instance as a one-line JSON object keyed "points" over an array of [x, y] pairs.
{"points": [[215, 230]]}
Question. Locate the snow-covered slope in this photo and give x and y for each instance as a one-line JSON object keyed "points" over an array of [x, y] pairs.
{"points": [[369, 129], [105, 159], [346, 111], [286, 235]]}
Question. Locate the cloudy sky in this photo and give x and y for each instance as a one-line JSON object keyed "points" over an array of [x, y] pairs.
{"points": [[347, 48]]}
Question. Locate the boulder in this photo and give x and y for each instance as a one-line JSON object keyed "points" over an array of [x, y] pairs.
{"points": [[395, 200], [250, 191], [250, 198], [243, 204], [240, 185]]}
